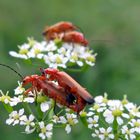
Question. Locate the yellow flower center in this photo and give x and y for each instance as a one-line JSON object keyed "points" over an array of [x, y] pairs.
{"points": [[96, 106], [137, 124], [94, 122], [70, 121], [105, 100], [106, 134], [28, 122], [75, 57], [16, 117], [23, 51], [37, 51], [90, 58], [128, 132], [58, 60], [136, 109], [43, 130], [117, 112]]}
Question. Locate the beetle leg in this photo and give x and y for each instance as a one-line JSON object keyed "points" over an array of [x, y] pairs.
{"points": [[28, 90]]}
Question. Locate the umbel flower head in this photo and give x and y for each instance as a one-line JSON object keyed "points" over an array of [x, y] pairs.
{"points": [[54, 54]]}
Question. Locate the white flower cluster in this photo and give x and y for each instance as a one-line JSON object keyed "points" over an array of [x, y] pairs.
{"points": [[114, 119], [56, 53], [108, 119]]}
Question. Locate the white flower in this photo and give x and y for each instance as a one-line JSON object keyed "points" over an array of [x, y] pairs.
{"points": [[110, 115], [45, 131], [15, 54], [84, 114], [102, 100], [97, 108], [93, 121], [135, 124], [51, 46], [55, 56], [29, 100], [115, 111], [37, 50], [19, 89], [74, 59], [133, 109], [128, 133], [5, 98], [68, 128], [55, 60], [104, 134], [15, 100], [15, 117], [45, 106], [69, 120], [28, 122], [24, 47]]}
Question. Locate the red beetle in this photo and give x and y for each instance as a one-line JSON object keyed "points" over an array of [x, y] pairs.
{"points": [[75, 37], [52, 32], [68, 92]]}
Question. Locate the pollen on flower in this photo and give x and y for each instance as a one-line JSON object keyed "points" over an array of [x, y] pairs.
{"points": [[117, 112], [23, 51], [37, 51], [96, 106], [70, 121]]}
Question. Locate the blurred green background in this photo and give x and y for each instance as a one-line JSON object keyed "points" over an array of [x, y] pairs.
{"points": [[113, 28]]}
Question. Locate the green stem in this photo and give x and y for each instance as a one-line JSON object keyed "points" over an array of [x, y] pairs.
{"points": [[115, 129], [27, 107], [102, 120]]}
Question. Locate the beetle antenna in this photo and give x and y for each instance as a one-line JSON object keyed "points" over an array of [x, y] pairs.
{"points": [[12, 70]]}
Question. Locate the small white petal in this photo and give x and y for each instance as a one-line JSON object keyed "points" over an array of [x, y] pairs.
{"points": [[44, 106], [42, 136], [21, 111], [125, 115], [48, 134], [68, 128], [102, 130], [31, 117], [109, 129], [49, 127], [41, 124], [119, 120]]}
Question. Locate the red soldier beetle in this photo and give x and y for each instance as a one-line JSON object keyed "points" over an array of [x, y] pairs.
{"points": [[65, 31], [53, 32], [69, 84], [75, 37]]}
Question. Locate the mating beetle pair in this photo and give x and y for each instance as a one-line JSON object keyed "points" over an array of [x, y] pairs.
{"points": [[67, 92], [66, 32]]}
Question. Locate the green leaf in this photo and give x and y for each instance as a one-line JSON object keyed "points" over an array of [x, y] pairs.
{"points": [[8, 108], [40, 113], [84, 121]]}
